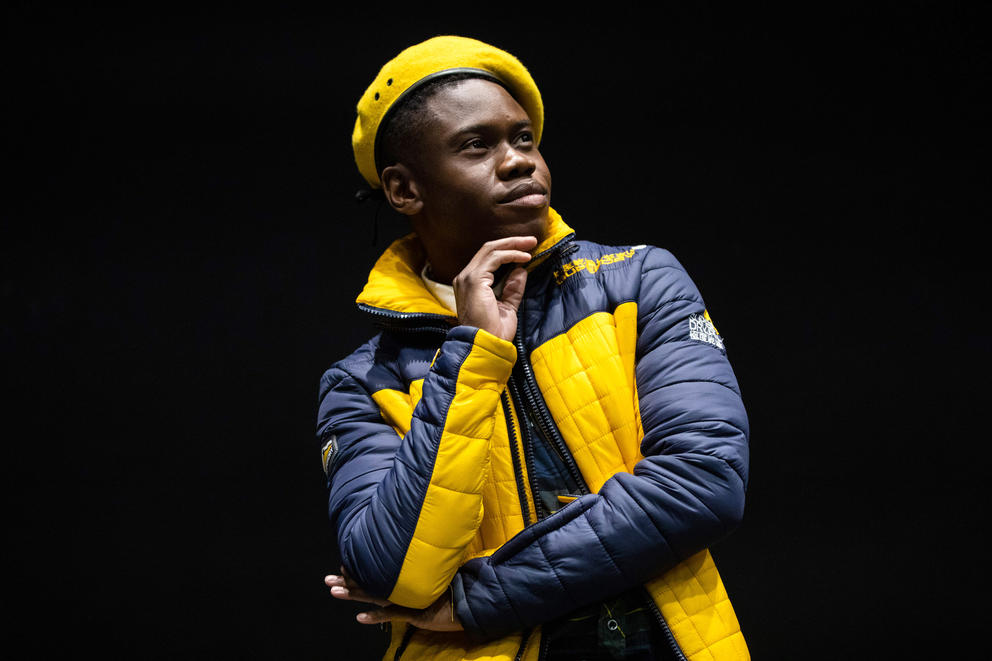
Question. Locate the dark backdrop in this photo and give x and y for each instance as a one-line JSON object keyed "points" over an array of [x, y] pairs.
{"points": [[181, 251]]}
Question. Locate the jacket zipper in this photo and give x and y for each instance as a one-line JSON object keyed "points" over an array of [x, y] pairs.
{"points": [[409, 322], [672, 643], [515, 456], [523, 645], [542, 417], [565, 246], [528, 445], [535, 403], [407, 635], [546, 422]]}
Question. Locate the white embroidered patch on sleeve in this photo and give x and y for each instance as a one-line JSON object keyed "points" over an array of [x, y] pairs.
{"points": [[702, 329]]}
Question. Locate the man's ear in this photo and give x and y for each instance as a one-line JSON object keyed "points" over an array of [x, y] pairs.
{"points": [[401, 189]]}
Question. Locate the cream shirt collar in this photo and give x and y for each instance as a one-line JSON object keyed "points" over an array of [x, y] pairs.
{"points": [[445, 294]]}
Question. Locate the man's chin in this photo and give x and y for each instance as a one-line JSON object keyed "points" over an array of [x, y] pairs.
{"points": [[535, 225]]}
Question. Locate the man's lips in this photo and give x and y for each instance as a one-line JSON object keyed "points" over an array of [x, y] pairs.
{"points": [[527, 191]]}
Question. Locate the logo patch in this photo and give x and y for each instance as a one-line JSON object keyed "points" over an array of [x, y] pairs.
{"points": [[329, 453], [703, 330], [593, 265]]}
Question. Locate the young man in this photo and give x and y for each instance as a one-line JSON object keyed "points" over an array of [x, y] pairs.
{"points": [[531, 458]]}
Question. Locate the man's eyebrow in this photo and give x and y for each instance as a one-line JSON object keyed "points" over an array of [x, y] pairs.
{"points": [[483, 128]]}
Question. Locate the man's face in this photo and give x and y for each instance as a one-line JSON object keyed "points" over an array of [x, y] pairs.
{"points": [[481, 175]]}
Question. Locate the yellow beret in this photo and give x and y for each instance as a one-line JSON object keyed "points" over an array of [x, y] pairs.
{"points": [[423, 62]]}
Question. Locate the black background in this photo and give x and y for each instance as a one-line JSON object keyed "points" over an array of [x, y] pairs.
{"points": [[181, 251]]}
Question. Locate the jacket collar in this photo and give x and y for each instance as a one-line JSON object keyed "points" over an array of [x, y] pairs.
{"points": [[395, 288]]}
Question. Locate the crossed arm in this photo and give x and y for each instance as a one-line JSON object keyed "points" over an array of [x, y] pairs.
{"points": [[402, 504]]}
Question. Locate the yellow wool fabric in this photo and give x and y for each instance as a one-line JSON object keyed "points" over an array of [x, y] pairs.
{"points": [[587, 377], [423, 61]]}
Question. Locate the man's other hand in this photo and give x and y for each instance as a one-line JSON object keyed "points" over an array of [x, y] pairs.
{"points": [[474, 296], [439, 616]]}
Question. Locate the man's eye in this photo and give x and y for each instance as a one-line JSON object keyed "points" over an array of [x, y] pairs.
{"points": [[526, 136], [475, 143]]}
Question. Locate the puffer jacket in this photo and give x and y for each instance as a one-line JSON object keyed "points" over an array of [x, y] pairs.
{"points": [[617, 363]]}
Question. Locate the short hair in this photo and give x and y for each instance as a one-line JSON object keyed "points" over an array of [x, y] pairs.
{"points": [[399, 138]]}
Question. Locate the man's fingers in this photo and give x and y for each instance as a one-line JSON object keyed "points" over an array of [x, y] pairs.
{"points": [[510, 242], [357, 595], [390, 613], [483, 273], [497, 258], [476, 303], [492, 260], [344, 581], [341, 593], [513, 289], [513, 244], [343, 587]]}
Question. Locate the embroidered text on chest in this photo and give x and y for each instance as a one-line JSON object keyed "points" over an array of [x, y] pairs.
{"points": [[592, 265]]}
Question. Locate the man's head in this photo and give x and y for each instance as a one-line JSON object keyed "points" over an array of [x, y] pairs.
{"points": [[473, 172], [456, 151]]}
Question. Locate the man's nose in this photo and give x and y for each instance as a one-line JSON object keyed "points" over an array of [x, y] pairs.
{"points": [[516, 163]]}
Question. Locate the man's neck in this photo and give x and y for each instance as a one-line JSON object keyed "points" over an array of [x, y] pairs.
{"points": [[445, 294], [443, 262]]}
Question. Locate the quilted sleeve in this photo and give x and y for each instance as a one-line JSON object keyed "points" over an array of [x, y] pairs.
{"points": [[404, 509], [683, 496]]}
